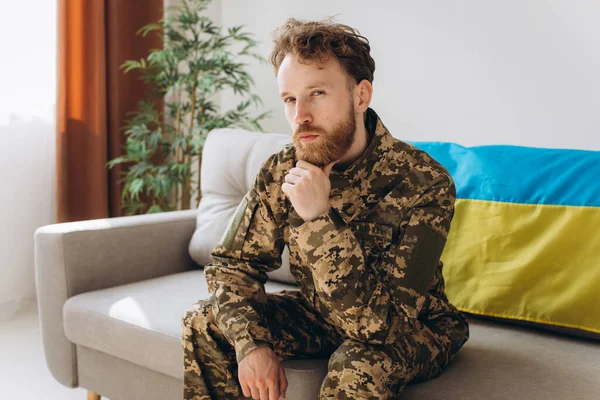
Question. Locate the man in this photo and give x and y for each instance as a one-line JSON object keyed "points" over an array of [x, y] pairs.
{"points": [[365, 216]]}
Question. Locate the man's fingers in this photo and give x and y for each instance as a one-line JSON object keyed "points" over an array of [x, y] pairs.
{"points": [[306, 165], [327, 168], [283, 383], [287, 188], [274, 389], [245, 389], [264, 392], [297, 171], [255, 392], [289, 178]]}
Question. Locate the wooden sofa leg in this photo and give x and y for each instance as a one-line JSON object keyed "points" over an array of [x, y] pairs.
{"points": [[93, 396]]}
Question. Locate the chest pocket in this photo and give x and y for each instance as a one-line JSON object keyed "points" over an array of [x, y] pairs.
{"points": [[373, 237]]}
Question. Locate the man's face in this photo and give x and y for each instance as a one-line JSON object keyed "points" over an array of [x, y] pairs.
{"points": [[319, 107]]}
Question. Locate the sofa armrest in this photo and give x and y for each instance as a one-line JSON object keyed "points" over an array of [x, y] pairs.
{"points": [[77, 257]]}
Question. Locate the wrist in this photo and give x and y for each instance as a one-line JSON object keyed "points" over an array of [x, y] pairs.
{"points": [[323, 212]]}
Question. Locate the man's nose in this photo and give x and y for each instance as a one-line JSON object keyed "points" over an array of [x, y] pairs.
{"points": [[303, 115]]}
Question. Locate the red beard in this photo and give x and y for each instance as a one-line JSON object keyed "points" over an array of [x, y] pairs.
{"points": [[328, 146]]}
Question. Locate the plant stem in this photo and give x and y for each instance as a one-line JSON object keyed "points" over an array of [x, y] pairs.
{"points": [[199, 177], [178, 149], [186, 200]]}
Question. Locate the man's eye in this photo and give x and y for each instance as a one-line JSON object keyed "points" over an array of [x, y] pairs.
{"points": [[289, 99], [318, 93]]}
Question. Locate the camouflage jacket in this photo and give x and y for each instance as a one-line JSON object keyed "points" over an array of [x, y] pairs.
{"points": [[370, 265]]}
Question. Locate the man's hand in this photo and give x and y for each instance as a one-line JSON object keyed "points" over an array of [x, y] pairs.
{"points": [[308, 188], [261, 376]]}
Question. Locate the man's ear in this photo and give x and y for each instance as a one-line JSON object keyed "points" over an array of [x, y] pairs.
{"points": [[363, 92]]}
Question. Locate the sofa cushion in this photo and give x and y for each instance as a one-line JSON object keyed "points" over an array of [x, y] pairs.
{"points": [[502, 362], [230, 161], [140, 323], [524, 242]]}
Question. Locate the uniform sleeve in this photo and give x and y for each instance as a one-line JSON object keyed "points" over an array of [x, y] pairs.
{"points": [[372, 303], [251, 246]]}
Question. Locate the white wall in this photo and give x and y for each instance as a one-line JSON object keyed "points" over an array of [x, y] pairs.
{"points": [[471, 72], [27, 132]]}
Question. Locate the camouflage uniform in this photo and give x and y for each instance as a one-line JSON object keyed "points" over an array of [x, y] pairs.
{"points": [[371, 291]]}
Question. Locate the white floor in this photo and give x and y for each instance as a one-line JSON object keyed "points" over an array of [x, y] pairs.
{"points": [[23, 371]]}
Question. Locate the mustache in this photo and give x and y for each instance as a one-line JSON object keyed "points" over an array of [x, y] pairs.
{"points": [[308, 129]]}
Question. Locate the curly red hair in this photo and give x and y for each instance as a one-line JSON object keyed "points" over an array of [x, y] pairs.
{"points": [[319, 40]]}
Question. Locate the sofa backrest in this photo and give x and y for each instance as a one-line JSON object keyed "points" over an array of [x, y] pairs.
{"points": [[230, 161], [524, 243]]}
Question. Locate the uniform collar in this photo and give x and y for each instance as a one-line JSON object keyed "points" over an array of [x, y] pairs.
{"points": [[356, 188], [372, 160]]}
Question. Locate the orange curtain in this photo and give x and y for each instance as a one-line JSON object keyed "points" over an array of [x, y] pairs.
{"points": [[94, 95]]}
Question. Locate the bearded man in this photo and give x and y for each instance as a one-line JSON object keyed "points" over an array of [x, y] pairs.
{"points": [[365, 217]]}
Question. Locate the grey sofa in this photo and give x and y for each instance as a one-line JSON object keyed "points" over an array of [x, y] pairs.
{"points": [[112, 292]]}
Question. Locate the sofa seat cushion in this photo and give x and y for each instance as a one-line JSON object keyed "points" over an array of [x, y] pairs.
{"points": [[506, 361], [141, 322]]}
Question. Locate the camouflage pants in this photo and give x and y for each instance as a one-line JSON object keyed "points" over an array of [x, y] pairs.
{"points": [[355, 370]]}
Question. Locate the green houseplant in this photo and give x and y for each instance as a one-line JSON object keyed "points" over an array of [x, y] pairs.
{"points": [[164, 143]]}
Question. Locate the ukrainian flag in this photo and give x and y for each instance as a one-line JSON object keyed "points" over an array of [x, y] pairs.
{"points": [[525, 239]]}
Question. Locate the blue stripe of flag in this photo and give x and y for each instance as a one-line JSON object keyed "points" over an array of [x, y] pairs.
{"points": [[519, 174]]}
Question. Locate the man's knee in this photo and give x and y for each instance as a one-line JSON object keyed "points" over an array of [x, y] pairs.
{"points": [[208, 359], [196, 319], [359, 371]]}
